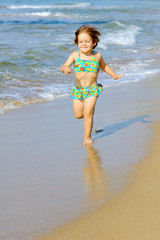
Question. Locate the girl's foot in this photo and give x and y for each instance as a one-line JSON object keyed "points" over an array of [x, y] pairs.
{"points": [[88, 141]]}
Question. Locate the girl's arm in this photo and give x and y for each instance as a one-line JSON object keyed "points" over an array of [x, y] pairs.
{"points": [[66, 67], [108, 70]]}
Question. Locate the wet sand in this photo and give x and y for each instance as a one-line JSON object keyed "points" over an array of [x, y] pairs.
{"points": [[132, 214], [50, 179]]}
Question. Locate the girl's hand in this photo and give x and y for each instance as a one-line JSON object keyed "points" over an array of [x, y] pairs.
{"points": [[118, 76], [66, 70]]}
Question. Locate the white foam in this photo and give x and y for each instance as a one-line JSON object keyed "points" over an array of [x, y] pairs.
{"points": [[48, 96], [78, 5], [123, 37], [39, 14], [119, 24], [27, 14], [44, 14], [68, 16], [144, 73], [133, 72]]}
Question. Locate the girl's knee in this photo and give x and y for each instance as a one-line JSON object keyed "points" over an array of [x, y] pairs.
{"points": [[79, 116], [78, 106], [88, 114]]}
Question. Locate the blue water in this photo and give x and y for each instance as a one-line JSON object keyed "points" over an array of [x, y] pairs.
{"points": [[36, 39]]}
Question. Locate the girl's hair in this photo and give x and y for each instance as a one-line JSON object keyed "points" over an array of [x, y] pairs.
{"points": [[92, 31]]}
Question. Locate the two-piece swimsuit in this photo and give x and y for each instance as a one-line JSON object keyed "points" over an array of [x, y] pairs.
{"points": [[94, 90]]}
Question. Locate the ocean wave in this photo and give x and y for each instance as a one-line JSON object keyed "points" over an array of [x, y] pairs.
{"points": [[13, 101], [63, 6], [53, 21], [122, 37], [119, 24], [134, 71], [44, 14], [6, 105], [38, 21], [37, 14]]}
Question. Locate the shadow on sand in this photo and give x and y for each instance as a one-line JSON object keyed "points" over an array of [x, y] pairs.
{"points": [[108, 130]]}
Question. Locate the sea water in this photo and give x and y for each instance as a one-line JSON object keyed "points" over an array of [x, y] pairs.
{"points": [[36, 39]]}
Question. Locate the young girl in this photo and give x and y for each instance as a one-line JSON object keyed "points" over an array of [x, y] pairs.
{"points": [[87, 63]]}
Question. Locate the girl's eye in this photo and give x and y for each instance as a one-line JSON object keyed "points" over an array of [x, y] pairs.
{"points": [[84, 41]]}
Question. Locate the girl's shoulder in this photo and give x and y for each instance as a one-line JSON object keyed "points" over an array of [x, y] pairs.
{"points": [[98, 55], [75, 55]]}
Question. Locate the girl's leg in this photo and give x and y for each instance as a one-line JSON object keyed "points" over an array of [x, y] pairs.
{"points": [[78, 108], [89, 106]]}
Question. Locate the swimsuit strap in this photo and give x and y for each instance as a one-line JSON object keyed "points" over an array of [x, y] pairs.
{"points": [[94, 57]]}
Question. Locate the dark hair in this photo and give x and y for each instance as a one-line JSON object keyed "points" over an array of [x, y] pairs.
{"points": [[92, 31]]}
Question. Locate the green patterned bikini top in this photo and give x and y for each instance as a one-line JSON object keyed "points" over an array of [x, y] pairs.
{"points": [[81, 65]]}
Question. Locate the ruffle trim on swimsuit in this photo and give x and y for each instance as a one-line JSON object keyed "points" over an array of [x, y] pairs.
{"points": [[84, 92]]}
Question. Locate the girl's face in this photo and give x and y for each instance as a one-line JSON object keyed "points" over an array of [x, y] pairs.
{"points": [[85, 43]]}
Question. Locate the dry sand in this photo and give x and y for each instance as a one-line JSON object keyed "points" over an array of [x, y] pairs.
{"points": [[132, 214]]}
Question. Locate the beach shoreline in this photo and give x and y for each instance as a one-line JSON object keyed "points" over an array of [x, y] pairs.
{"points": [[48, 174]]}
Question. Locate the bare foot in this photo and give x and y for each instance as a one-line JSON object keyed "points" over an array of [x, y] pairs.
{"points": [[88, 141]]}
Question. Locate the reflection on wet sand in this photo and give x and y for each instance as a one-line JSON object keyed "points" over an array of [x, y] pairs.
{"points": [[95, 177], [96, 183]]}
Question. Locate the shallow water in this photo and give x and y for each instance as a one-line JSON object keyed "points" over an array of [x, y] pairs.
{"points": [[36, 40]]}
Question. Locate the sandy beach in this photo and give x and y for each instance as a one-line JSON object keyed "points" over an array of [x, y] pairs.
{"points": [[52, 186], [132, 214]]}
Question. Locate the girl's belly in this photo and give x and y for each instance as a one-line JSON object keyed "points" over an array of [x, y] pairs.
{"points": [[85, 79]]}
